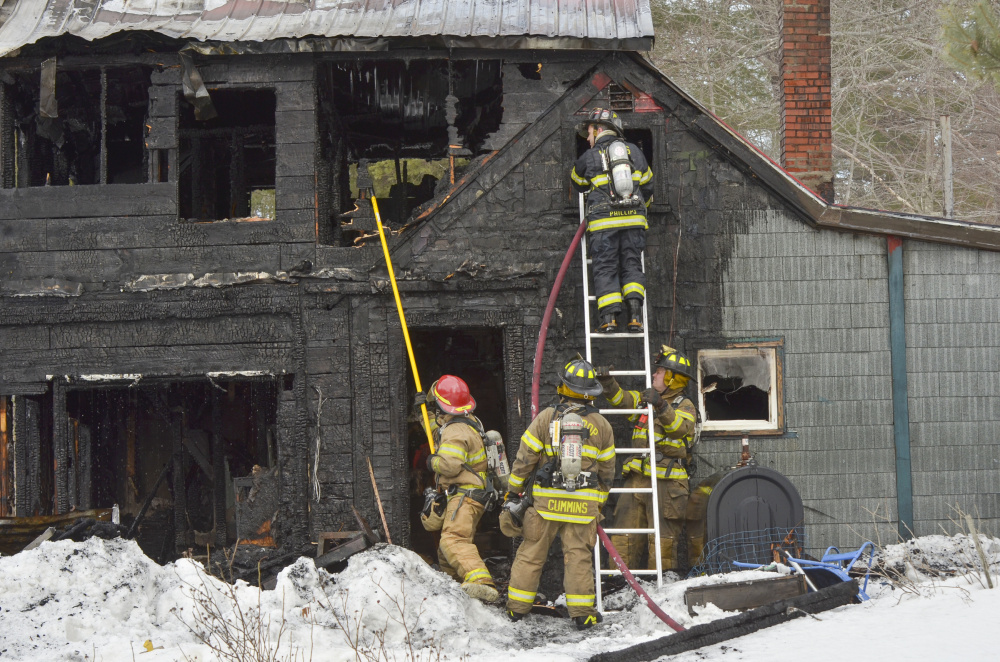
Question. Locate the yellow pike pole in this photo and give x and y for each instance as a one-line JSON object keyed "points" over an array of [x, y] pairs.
{"points": [[402, 322]]}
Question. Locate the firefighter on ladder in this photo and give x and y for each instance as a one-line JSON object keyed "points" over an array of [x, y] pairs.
{"points": [[619, 186], [673, 429], [564, 466], [461, 472]]}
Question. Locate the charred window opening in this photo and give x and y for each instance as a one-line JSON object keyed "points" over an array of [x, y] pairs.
{"points": [[530, 71], [227, 164], [123, 438], [739, 389], [476, 355], [82, 126], [641, 138], [410, 123]]}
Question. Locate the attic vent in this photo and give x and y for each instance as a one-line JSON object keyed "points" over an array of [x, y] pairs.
{"points": [[620, 98]]}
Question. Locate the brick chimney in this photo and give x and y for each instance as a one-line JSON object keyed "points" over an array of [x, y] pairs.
{"points": [[806, 121]]}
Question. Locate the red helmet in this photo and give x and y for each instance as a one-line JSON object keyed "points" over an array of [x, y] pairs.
{"points": [[452, 395]]}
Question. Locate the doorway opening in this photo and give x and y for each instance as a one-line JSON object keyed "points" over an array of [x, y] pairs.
{"points": [[476, 355], [129, 441]]}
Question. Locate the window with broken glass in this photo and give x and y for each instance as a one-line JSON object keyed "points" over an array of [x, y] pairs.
{"points": [[226, 157], [73, 126], [739, 389]]}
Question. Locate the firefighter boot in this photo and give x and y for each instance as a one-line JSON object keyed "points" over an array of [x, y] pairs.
{"points": [[589, 621], [482, 590], [634, 315], [606, 322]]}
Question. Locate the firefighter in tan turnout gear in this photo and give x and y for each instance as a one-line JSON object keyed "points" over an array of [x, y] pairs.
{"points": [[673, 429], [460, 468], [564, 467]]}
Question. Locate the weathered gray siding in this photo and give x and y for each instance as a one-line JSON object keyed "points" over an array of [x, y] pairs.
{"points": [[826, 294], [953, 353]]}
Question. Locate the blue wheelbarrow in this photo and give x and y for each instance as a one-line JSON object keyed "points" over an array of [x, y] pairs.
{"points": [[834, 567]]}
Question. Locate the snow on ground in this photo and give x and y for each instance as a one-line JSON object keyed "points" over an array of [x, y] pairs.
{"points": [[102, 600]]}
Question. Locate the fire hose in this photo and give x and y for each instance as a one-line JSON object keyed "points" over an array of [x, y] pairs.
{"points": [[535, 380]]}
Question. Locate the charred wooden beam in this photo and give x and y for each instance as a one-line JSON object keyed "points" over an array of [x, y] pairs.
{"points": [[218, 468], [84, 467], [27, 458], [6, 139], [180, 501], [6, 463], [60, 446]]}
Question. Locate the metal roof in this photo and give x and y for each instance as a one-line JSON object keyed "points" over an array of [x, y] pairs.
{"points": [[566, 24]]}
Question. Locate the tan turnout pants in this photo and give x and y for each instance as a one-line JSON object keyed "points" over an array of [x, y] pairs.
{"points": [[457, 552], [635, 511], [578, 563]]}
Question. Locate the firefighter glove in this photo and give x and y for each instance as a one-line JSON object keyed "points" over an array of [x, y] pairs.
{"points": [[604, 370], [419, 399], [652, 397]]}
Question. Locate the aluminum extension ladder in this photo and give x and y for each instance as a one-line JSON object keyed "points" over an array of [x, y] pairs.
{"points": [[649, 451]]}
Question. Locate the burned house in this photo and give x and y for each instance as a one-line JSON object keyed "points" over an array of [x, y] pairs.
{"points": [[193, 292]]}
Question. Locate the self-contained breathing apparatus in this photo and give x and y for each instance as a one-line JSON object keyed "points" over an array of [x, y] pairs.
{"points": [[617, 165], [496, 465]]}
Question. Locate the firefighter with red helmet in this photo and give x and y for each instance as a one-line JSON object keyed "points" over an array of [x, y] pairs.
{"points": [[461, 473], [618, 184], [674, 417]]}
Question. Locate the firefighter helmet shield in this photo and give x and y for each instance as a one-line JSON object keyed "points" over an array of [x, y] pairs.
{"points": [[579, 376], [670, 359], [602, 117], [452, 395]]}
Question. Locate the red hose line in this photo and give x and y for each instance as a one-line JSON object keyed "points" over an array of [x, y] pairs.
{"points": [[536, 376], [648, 601], [536, 373]]}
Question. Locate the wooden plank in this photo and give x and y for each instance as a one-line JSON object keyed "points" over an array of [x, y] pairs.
{"points": [[295, 96], [163, 100], [82, 201], [740, 596], [162, 133], [30, 366], [296, 126], [295, 159], [285, 199], [24, 337], [201, 260], [168, 232], [190, 303], [85, 266], [157, 333], [17, 532], [22, 235]]}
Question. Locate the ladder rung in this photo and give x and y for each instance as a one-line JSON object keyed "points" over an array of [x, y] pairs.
{"points": [[631, 451], [610, 336], [626, 373], [615, 531], [634, 572], [631, 490], [605, 412]]}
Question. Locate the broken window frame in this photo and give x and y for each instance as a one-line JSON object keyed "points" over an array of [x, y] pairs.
{"points": [[9, 157], [773, 353], [195, 133]]}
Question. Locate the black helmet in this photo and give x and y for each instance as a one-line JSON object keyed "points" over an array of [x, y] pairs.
{"points": [[603, 117], [579, 376], [672, 360]]}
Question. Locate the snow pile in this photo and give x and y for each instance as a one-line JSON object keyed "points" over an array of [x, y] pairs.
{"points": [[102, 600]]}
